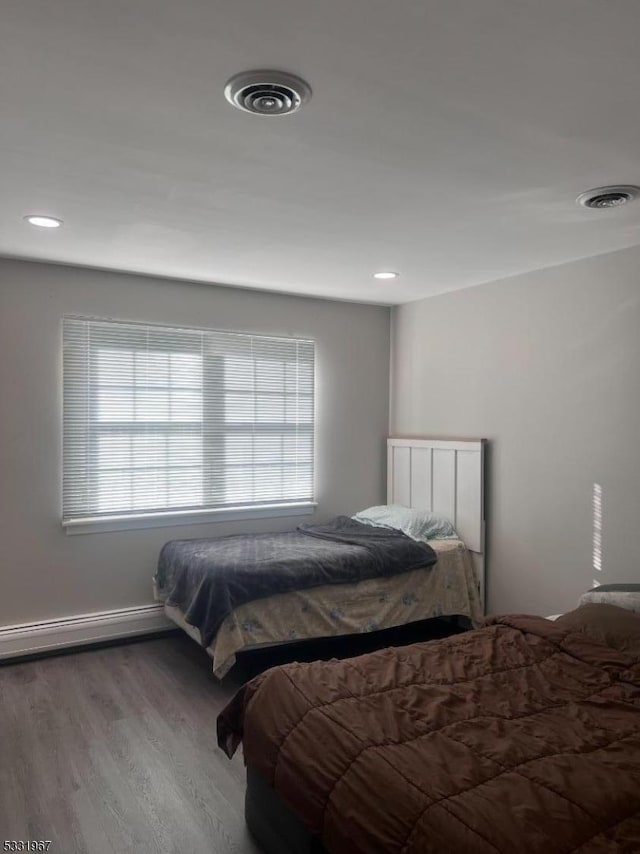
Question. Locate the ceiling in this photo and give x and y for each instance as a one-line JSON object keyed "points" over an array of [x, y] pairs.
{"points": [[446, 140]]}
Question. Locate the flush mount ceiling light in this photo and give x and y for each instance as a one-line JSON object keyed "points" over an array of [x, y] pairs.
{"points": [[386, 275], [608, 197], [267, 93], [43, 221]]}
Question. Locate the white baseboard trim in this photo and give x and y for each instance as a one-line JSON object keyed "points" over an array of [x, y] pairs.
{"points": [[48, 635]]}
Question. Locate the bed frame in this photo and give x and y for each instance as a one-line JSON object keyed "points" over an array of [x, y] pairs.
{"points": [[275, 827], [440, 475], [447, 477]]}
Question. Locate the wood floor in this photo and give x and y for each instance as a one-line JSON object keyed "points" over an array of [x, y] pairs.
{"points": [[113, 751]]}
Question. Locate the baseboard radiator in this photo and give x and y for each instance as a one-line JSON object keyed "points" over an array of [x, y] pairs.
{"points": [[81, 629]]}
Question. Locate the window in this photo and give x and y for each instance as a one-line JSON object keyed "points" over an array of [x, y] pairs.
{"points": [[160, 420]]}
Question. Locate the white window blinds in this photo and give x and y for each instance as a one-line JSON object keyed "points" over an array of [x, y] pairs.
{"points": [[159, 419]]}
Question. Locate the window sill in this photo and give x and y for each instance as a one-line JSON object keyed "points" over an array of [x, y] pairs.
{"points": [[97, 524]]}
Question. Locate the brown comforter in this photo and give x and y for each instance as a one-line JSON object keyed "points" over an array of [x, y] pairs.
{"points": [[521, 736]]}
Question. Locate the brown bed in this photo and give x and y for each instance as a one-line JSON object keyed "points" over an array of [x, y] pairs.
{"points": [[522, 736]]}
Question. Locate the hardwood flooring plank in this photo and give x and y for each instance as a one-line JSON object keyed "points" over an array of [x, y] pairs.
{"points": [[113, 751]]}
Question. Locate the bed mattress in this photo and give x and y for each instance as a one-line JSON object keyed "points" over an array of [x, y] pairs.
{"points": [[208, 578], [448, 588]]}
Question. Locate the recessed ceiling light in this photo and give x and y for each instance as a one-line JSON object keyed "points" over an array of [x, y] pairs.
{"points": [[43, 221], [386, 275]]}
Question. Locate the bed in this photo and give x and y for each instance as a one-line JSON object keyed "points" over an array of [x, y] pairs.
{"points": [[445, 477], [521, 736]]}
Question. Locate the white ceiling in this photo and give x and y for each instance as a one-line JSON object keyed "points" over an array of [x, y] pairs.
{"points": [[447, 140]]}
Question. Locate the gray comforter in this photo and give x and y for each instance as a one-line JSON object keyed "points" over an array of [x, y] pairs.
{"points": [[207, 579]]}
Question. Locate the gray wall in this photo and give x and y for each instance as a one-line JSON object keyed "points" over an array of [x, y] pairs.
{"points": [[547, 367], [44, 572]]}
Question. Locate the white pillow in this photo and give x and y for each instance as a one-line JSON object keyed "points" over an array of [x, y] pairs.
{"points": [[623, 595], [417, 524]]}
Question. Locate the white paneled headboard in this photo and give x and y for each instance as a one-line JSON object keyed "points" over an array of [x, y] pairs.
{"points": [[446, 477]]}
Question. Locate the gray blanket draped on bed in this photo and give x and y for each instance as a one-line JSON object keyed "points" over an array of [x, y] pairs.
{"points": [[208, 579]]}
